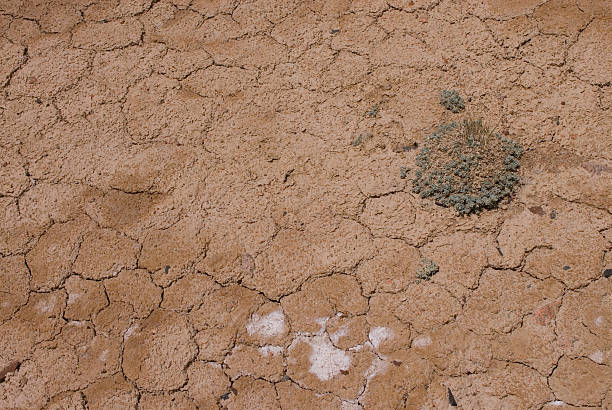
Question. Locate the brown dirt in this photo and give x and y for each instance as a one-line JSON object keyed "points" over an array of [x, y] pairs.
{"points": [[186, 223]]}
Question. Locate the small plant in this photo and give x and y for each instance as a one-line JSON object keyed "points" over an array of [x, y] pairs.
{"points": [[361, 138], [372, 112], [467, 166], [452, 101], [427, 270]]}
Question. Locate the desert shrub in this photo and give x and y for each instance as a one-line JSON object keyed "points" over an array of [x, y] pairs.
{"points": [[427, 270], [452, 101], [467, 166]]}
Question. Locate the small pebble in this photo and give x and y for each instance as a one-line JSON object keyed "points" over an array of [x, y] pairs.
{"points": [[500, 252], [167, 269], [553, 214], [225, 396], [607, 273], [566, 267]]}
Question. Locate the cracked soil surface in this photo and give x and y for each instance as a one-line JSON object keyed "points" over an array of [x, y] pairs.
{"points": [[187, 220]]}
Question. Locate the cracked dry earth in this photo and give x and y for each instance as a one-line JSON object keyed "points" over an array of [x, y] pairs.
{"points": [[186, 221]]}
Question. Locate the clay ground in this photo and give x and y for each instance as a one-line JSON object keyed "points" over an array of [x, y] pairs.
{"points": [[187, 220]]}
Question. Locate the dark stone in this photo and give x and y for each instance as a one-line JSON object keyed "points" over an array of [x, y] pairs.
{"points": [[344, 372], [500, 252], [451, 398], [607, 273], [225, 396], [167, 269], [553, 214], [396, 363], [566, 267]]}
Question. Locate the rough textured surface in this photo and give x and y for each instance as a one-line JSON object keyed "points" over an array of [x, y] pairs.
{"points": [[207, 205]]}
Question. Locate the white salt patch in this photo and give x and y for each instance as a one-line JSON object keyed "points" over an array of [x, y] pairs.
{"points": [[556, 403], [130, 331], [322, 321], [116, 269], [597, 357], [104, 356], [270, 350], [422, 341], [342, 331], [356, 348], [326, 361], [78, 323], [379, 334], [73, 297], [347, 405], [45, 307], [378, 366], [599, 321], [270, 325]]}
